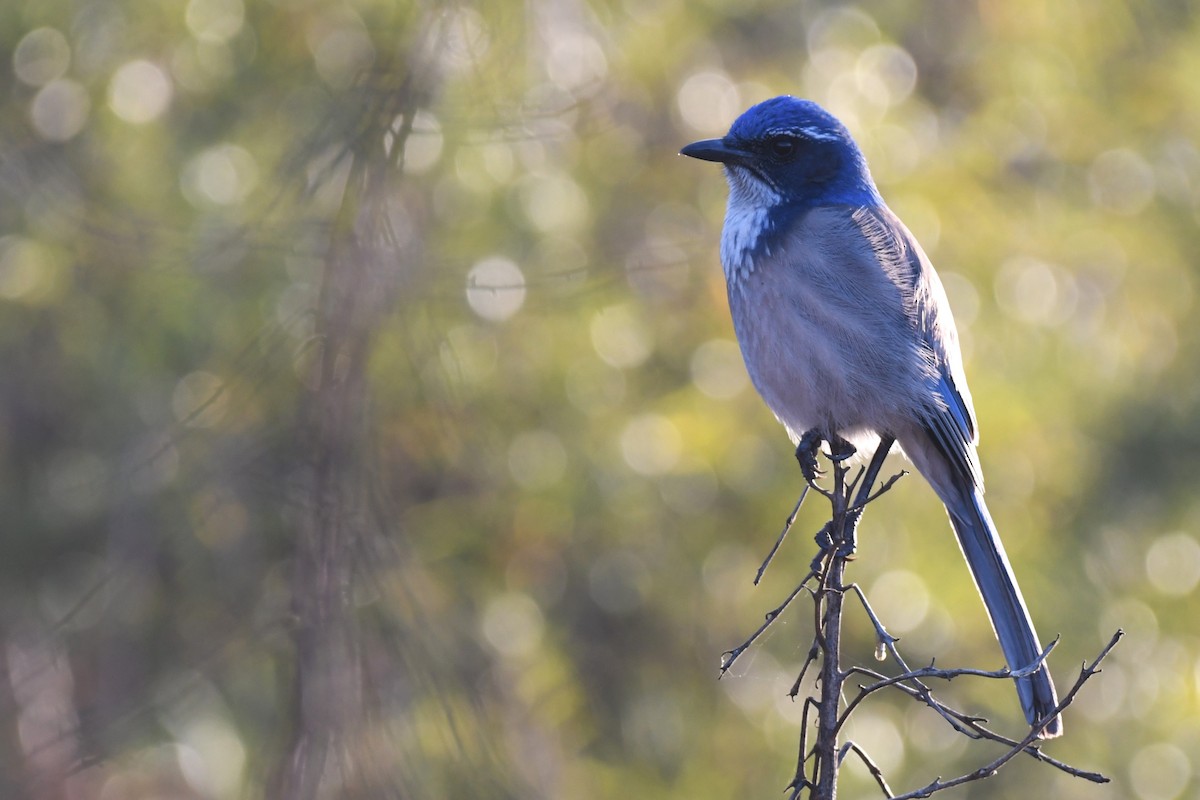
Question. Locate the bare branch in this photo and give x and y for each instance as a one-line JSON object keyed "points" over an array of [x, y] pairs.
{"points": [[787, 526], [829, 603], [875, 771], [813, 652], [859, 505], [881, 634], [817, 766], [1027, 744], [730, 656], [800, 781]]}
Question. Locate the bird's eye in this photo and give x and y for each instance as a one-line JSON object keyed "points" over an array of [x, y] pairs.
{"points": [[782, 147]]}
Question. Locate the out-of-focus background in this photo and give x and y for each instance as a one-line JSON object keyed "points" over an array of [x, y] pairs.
{"points": [[373, 424]]}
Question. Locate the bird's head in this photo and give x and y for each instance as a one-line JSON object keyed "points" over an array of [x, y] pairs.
{"points": [[789, 153]]}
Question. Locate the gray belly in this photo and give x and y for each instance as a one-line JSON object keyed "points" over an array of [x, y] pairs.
{"points": [[819, 362]]}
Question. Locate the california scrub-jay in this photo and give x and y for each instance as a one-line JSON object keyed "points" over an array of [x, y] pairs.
{"points": [[847, 334]]}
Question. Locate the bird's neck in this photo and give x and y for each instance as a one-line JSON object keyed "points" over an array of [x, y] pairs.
{"points": [[746, 228], [750, 219], [758, 217]]}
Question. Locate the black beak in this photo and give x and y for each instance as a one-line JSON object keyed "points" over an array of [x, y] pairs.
{"points": [[715, 150]]}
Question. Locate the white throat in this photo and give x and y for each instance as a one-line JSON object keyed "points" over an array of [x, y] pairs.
{"points": [[750, 201]]}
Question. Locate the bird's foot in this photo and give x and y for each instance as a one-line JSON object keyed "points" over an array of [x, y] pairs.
{"points": [[846, 543], [846, 547], [849, 543], [840, 449], [810, 446], [824, 540], [806, 454]]}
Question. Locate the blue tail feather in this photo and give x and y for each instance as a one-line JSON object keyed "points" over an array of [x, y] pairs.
{"points": [[1005, 606]]}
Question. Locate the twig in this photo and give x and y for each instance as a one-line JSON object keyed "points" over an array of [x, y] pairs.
{"points": [[957, 720], [813, 652], [944, 674], [730, 656], [787, 526], [859, 505], [881, 634], [1085, 673], [800, 780], [875, 771]]}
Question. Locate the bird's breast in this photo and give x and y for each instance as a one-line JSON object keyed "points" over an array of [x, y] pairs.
{"points": [[791, 361], [824, 333]]}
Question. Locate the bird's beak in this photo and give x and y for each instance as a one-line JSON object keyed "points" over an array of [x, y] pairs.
{"points": [[715, 150]]}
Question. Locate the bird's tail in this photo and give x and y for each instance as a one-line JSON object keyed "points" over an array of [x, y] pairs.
{"points": [[1010, 618]]}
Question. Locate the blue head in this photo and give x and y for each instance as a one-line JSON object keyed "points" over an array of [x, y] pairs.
{"points": [[782, 157], [793, 153]]}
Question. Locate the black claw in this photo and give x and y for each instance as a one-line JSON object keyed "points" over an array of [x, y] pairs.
{"points": [[840, 449], [849, 544], [846, 548], [824, 540], [810, 446], [806, 454]]}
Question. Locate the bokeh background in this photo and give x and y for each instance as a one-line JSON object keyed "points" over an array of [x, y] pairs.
{"points": [[373, 424]]}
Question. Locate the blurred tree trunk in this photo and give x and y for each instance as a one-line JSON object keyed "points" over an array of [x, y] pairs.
{"points": [[328, 705], [36, 692], [328, 700]]}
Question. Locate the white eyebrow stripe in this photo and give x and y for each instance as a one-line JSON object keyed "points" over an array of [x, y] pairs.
{"points": [[818, 134], [808, 132]]}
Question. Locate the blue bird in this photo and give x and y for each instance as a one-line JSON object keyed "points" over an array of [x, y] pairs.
{"points": [[847, 335]]}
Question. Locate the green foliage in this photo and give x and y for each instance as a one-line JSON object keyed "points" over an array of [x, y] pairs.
{"points": [[568, 481]]}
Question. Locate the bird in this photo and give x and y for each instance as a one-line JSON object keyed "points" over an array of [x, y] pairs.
{"points": [[847, 334]]}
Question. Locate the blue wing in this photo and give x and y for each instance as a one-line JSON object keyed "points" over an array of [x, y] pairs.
{"points": [[949, 418], [948, 423], [952, 426]]}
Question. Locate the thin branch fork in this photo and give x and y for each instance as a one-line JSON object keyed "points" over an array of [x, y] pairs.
{"points": [[875, 771], [932, 671], [1027, 744], [823, 718]]}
